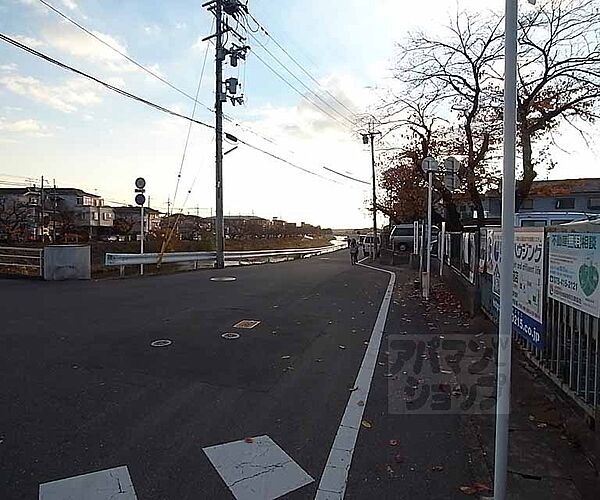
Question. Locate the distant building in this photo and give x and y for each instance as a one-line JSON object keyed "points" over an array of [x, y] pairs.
{"points": [[572, 195], [127, 220], [185, 227], [56, 214]]}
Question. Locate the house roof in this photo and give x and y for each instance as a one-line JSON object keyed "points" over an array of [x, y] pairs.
{"points": [[58, 191], [128, 209], [564, 187], [557, 187]]}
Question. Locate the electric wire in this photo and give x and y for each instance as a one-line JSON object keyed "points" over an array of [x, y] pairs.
{"points": [[344, 117], [151, 104], [295, 61]]}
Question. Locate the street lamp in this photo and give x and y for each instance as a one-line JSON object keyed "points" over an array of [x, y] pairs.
{"points": [[508, 240]]}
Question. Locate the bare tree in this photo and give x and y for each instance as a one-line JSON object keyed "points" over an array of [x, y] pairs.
{"points": [[14, 218], [459, 69], [559, 75]]}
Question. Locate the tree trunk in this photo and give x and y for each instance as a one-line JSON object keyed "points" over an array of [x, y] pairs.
{"points": [[529, 173]]}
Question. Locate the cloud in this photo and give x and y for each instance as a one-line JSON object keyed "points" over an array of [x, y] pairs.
{"points": [[69, 4], [199, 44], [152, 30], [27, 126], [8, 68], [27, 40], [68, 97], [180, 25], [80, 44]]}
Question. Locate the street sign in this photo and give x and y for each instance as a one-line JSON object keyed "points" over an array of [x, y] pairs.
{"points": [[430, 164], [140, 183], [140, 199], [451, 180]]}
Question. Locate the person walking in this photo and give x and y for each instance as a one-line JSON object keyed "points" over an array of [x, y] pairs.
{"points": [[353, 251]]}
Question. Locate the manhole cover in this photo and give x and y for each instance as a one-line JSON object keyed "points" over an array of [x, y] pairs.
{"points": [[223, 278], [231, 336], [246, 323], [161, 343]]}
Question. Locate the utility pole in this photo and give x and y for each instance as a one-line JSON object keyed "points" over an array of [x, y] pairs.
{"points": [[370, 136], [221, 9], [42, 211], [220, 56]]}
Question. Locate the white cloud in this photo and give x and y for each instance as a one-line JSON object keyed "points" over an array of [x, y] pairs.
{"points": [[27, 40], [180, 25], [199, 44], [152, 29], [69, 4], [79, 44], [8, 68], [68, 97], [27, 126]]}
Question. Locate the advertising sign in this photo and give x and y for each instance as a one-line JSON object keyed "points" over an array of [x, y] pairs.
{"points": [[528, 283], [573, 270]]}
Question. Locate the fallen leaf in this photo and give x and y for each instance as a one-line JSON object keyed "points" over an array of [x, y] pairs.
{"points": [[531, 418], [367, 424], [437, 468], [342, 346], [285, 357], [393, 442], [248, 440], [361, 403], [542, 425]]}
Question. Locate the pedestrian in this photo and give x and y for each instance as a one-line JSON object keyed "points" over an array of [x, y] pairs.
{"points": [[353, 251]]}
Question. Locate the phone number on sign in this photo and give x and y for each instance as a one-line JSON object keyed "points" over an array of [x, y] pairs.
{"points": [[563, 282]]}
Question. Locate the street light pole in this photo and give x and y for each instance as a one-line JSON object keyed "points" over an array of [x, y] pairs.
{"points": [[374, 197], [506, 264], [429, 217]]}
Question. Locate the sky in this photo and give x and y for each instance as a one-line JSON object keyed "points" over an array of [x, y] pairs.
{"points": [[59, 125]]}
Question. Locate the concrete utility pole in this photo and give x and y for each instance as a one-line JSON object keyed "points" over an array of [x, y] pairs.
{"points": [[222, 10], [220, 56], [42, 211], [370, 137]]}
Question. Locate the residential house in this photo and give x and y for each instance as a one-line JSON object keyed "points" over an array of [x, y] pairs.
{"points": [[564, 195], [55, 213], [187, 227], [127, 221]]}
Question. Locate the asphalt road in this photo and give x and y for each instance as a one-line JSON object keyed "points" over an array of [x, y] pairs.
{"points": [[83, 390]]}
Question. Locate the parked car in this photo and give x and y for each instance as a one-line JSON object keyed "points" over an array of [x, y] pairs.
{"points": [[551, 218], [367, 244], [402, 237]]}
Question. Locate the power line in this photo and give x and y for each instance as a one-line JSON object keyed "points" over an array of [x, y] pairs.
{"points": [[149, 71], [158, 107], [264, 30], [346, 176], [299, 80], [187, 138], [281, 77], [113, 48]]}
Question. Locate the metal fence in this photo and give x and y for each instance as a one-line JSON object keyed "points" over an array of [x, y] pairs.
{"points": [[121, 260], [22, 261], [570, 351]]}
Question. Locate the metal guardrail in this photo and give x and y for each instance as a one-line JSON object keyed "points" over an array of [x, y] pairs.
{"points": [[22, 260], [127, 259]]}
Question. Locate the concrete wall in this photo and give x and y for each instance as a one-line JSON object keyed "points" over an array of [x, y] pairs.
{"points": [[67, 262]]}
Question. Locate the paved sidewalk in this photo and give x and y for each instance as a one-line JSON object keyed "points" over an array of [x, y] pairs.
{"points": [[553, 455]]}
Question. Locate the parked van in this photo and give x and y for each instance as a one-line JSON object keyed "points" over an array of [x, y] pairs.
{"points": [[542, 219], [367, 244]]}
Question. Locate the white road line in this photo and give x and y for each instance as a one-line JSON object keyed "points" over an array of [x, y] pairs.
{"points": [[335, 475], [102, 485], [256, 468]]}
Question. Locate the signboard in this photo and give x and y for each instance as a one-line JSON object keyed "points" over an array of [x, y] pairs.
{"points": [[573, 270], [528, 282]]}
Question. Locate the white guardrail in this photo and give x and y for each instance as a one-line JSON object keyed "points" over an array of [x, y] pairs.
{"points": [[17, 260], [130, 259]]}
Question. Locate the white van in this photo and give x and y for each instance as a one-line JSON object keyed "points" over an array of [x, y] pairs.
{"points": [[367, 244], [543, 219]]}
